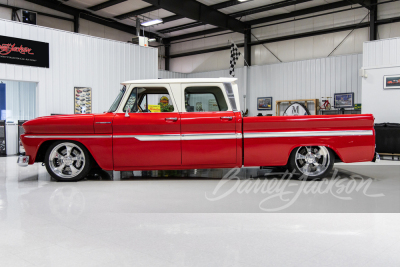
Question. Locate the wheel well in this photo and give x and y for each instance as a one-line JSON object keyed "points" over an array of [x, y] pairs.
{"points": [[46, 144], [337, 158]]}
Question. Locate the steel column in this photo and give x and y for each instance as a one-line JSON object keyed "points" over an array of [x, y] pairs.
{"points": [[167, 46], [373, 15], [247, 46]]}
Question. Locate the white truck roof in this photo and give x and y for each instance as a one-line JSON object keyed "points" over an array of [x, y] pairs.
{"points": [[182, 80]]}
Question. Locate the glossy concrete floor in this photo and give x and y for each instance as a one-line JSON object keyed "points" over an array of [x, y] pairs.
{"points": [[252, 217]]}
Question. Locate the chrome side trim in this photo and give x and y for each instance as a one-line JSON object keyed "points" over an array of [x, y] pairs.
{"points": [[103, 122], [68, 136], [162, 137], [308, 133], [208, 136]]}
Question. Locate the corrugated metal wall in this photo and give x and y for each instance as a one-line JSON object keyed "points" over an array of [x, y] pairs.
{"points": [[78, 60], [307, 79], [382, 53], [164, 74]]}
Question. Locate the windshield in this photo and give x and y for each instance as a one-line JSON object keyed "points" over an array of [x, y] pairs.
{"points": [[114, 105]]}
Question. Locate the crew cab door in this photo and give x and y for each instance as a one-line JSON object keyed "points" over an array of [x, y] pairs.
{"points": [[149, 135], [207, 126]]}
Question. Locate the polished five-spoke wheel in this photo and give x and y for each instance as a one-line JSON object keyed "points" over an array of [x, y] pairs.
{"points": [[311, 161], [67, 161]]}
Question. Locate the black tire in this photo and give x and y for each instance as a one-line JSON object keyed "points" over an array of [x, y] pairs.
{"points": [[292, 166], [83, 171]]}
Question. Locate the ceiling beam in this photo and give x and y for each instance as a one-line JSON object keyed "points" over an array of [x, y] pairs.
{"points": [[301, 12], [197, 11], [194, 34], [292, 14], [83, 14], [267, 8], [106, 4], [281, 4], [278, 39], [228, 4], [137, 12]]}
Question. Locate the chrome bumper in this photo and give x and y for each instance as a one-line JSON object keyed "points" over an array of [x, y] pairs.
{"points": [[23, 161], [376, 158]]}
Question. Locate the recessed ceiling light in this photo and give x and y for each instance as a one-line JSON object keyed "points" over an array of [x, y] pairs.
{"points": [[151, 22]]}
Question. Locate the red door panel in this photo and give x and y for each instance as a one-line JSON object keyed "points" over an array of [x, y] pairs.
{"points": [[146, 139], [208, 138]]}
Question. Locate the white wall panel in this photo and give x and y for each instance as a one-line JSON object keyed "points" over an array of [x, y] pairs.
{"points": [[382, 53], [164, 74], [314, 78], [78, 60]]}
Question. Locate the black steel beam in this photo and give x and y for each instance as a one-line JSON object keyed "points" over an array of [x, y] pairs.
{"points": [[172, 18], [279, 39], [197, 11], [76, 23], [106, 4], [301, 12], [182, 27], [215, 49], [373, 16], [194, 34], [228, 4], [83, 14], [296, 13], [241, 13], [267, 8], [167, 47], [136, 12], [247, 46]]}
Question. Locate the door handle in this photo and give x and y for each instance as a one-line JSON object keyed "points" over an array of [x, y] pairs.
{"points": [[171, 119], [226, 118]]}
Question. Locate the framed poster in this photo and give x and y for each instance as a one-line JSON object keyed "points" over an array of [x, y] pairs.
{"points": [[391, 81], [264, 103], [83, 100], [343, 100]]}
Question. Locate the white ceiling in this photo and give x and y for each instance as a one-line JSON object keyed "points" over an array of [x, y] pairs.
{"points": [[132, 5]]}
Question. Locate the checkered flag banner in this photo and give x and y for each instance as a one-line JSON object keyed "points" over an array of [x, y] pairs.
{"points": [[234, 57]]}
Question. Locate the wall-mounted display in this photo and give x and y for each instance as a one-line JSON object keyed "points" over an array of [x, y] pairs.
{"points": [[296, 109], [264, 103], [344, 100], [24, 52], [83, 100], [357, 106], [391, 81], [3, 151]]}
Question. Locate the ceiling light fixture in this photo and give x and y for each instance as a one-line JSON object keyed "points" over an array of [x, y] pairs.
{"points": [[152, 39], [242, 0], [151, 22]]}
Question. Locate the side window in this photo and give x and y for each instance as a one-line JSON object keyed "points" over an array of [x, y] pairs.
{"points": [[204, 98], [154, 99], [130, 104]]}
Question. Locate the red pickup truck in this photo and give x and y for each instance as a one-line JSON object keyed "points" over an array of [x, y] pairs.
{"points": [[198, 124]]}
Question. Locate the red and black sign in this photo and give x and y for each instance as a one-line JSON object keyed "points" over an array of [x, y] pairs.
{"points": [[24, 52]]}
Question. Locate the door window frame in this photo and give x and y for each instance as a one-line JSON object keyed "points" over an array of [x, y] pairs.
{"points": [[219, 85], [131, 87]]}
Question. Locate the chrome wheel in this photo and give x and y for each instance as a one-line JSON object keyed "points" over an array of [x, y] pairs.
{"points": [[67, 160], [312, 160]]}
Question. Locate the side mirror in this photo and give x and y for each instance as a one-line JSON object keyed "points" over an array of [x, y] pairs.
{"points": [[127, 113]]}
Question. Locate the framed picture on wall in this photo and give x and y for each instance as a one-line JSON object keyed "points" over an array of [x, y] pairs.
{"points": [[82, 100], [391, 81], [344, 100], [264, 103]]}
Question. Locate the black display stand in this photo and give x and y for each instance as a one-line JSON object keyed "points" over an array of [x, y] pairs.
{"points": [[21, 130], [340, 111], [3, 143]]}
